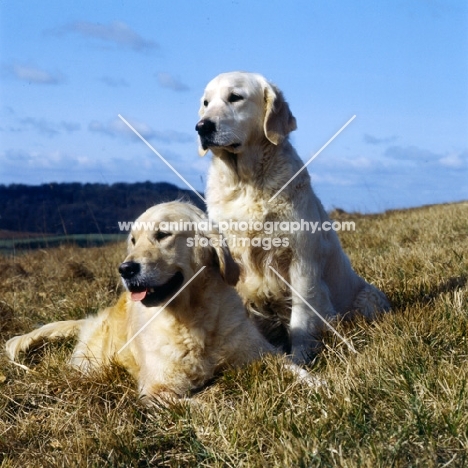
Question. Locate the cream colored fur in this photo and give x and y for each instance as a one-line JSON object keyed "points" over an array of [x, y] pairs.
{"points": [[203, 330], [245, 122]]}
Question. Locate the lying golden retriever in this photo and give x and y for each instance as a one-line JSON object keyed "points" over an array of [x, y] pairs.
{"points": [[245, 122], [170, 348]]}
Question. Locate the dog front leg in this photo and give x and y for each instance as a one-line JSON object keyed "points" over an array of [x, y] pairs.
{"points": [[311, 307]]}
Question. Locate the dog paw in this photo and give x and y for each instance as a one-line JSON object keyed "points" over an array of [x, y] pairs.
{"points": [[303, 376]]}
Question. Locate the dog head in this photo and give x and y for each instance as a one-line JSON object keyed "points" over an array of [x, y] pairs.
{"points": [[238, 107], [167, 246]]}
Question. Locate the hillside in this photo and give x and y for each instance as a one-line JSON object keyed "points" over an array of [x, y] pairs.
{"points": [[73, 208], [400, 401]]}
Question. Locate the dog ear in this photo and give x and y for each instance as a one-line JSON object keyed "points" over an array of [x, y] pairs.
{"points": [[279, 121], [229, 269]]}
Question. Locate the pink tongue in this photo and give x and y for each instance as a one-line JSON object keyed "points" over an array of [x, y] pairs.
{"points": [[138, 296]]}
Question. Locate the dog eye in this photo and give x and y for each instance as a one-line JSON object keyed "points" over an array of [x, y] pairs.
{"points": [[132, 240], [160, 235], [233, 97], [205, 102]]}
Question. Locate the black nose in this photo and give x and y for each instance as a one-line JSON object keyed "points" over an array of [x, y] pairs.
{"points": [[128, 270], [205, 127]]}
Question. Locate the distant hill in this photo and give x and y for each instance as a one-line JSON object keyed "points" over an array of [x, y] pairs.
{"points": [[74, 208]]}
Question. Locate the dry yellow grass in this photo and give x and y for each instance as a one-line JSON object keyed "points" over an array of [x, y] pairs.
{"points": [[400, 401]]}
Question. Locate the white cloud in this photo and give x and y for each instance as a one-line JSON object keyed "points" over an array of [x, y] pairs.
{"points": [[39, 166], [117, 32], [413, 153], [166, 80], [21, 161], [358, 163], [423, 158], [117, 127], [70, 126], [48, 128], [455, 160], [41, 125], [372, 140], [114, 82], [332, 179], [33, 74], [394, 177]]}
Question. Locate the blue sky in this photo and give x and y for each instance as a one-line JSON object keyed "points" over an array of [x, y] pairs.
{"points": [[67, 69]]}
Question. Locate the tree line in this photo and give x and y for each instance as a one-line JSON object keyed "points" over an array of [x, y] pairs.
{"points": [[75, 208]]}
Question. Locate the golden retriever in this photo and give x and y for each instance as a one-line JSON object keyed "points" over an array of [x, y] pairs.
{"points": [[170, 348], [245, 122]]}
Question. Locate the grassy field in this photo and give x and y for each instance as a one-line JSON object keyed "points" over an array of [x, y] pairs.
{"points": [[400, 401], [12, 246]]}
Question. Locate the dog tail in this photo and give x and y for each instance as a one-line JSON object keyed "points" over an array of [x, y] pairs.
{"points": [[50, 331]]}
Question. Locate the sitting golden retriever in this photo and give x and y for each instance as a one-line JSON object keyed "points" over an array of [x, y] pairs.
{"points": [[245, 122], [169, 346]]}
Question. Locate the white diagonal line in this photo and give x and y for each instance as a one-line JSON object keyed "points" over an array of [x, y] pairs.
{"points": [[160, 157], [312, 158], [350, 346], [160, 310]]}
